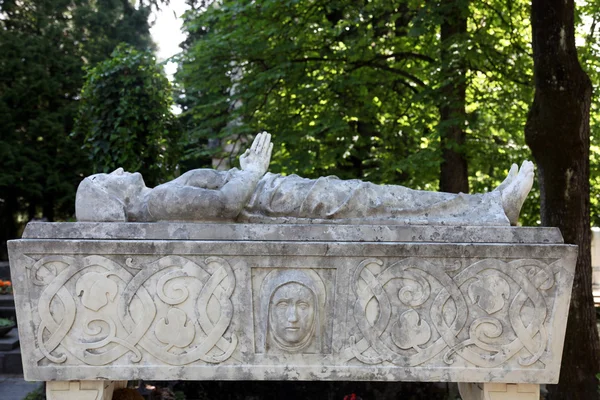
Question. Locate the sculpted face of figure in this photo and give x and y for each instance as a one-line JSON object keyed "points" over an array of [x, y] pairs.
{"points": [[292, 314], [121, 184]]}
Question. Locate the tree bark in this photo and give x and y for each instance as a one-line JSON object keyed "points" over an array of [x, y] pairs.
{"points": [[558, 133], [453, 114]]}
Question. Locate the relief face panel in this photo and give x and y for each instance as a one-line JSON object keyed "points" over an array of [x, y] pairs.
{"points": [[293, 310], [329, 310]]}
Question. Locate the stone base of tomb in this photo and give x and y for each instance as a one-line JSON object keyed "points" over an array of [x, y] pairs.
{"points": [[82, 390], [104, 302], [499, 391]]}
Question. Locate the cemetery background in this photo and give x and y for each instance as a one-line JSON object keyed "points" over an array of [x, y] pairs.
{"points": [[426, 96]]}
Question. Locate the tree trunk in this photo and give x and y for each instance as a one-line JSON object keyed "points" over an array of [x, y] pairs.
{"points": [[453, 173], [558, 133]]}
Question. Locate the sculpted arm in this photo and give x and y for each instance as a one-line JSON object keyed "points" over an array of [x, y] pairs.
{"points": [[254, 162], [194, 197]]}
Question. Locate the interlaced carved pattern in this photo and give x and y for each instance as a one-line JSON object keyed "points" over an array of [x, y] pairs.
{"points": [[422, 311], [155, 311]]}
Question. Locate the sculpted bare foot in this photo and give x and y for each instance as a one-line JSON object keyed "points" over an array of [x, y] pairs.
{"points": [[512, 174], [516, 191]]}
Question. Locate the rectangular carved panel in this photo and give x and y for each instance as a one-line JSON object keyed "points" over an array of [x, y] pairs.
{"points": [[276, 309], [293, 310]]}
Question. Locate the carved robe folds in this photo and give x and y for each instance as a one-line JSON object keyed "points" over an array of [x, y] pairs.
{"points": [[167, 301]]}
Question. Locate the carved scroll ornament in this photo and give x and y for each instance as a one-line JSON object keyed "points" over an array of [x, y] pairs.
{"points": [[411, 311], [172, 309]]}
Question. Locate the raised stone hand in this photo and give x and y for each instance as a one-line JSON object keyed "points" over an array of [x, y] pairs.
{"points": [[258, 156], [515, 189]]}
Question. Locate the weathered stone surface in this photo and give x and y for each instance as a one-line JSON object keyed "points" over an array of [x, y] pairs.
{"points": [[82, 390], [291, 302], [254, 196], [499, 391], [292, 233]]}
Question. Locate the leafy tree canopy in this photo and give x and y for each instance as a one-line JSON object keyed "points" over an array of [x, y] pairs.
{"points": [[327, 79], [125, 116], [588, 41], [352, 88], [43, 46], [106, 23]]}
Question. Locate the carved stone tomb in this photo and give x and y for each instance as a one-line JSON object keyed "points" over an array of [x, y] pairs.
{"points": [[100, 303]]}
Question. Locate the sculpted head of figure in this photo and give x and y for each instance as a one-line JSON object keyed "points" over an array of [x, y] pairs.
{"points": [[107, 197], [292, 306], [292, 315]]}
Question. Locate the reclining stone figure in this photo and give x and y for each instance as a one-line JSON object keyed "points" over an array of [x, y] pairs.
{"points": [[253, 195]]}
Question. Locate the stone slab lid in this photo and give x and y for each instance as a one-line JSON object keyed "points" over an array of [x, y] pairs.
{"points": [[290, 232]]}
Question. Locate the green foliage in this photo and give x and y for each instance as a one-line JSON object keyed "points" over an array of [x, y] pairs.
{"points": [[336, 83], [40, 66], [352, 88], [104, 24], [125, 116], [6, 322], [499, 92], [588, 42], [44, 45], [37, 394]]}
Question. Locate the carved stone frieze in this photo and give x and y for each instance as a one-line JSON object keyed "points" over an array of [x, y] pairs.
{"points": [[95, 311], [268, 308], [488, 314]]}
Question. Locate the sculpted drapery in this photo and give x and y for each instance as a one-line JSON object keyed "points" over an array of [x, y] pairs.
{"points": [[253, 195]]}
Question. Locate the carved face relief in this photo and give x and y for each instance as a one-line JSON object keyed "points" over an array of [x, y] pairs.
{"points": [[292, 315], [291, 312]]}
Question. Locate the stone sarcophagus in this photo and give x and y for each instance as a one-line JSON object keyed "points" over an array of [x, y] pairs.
{"points": [[120, 301]]}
